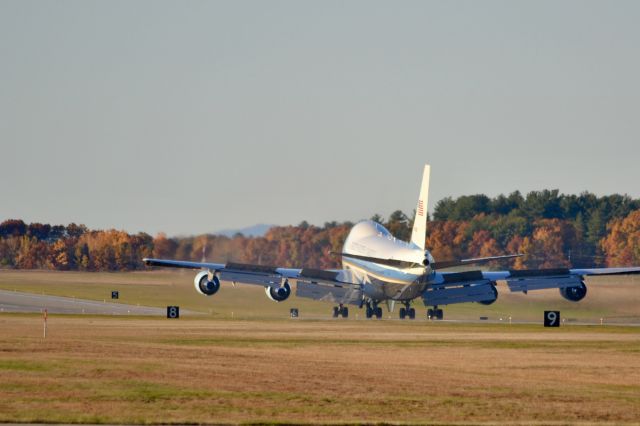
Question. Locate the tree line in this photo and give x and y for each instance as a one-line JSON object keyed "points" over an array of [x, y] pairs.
{"points": [[550, 229]]}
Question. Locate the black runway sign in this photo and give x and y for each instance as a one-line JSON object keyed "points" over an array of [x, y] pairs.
{"points": [[173, 312], [552, 318]]}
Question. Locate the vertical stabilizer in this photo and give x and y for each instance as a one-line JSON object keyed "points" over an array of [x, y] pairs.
{"points": [[419, 232]]}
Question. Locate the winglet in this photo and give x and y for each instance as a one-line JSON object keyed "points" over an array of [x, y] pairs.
{"points": [[419, 233]]}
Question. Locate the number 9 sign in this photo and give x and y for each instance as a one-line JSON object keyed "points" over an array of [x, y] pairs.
{"points": [[552, 318]]}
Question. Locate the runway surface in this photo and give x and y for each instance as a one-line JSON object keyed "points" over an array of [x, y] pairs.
{"points": [[11, 301]]}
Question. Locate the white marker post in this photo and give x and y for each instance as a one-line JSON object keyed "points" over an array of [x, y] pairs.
{"points": [[45, 324]]}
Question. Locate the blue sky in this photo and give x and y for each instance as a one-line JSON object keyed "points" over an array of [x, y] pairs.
{"points": [[189, 117]]}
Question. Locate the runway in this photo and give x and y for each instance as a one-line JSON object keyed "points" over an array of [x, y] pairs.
{"points": [[11, 301]]}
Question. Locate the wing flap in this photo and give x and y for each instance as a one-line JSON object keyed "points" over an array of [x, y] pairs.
{"points": [[459, 292], [458, 277], [345, 294], [246, 267], [527, 273], [249, 277], [320, 274], [541, 283], [251, 274]]}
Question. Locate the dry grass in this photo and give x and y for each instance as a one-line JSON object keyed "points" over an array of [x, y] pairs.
{"points": [[124, 370]]}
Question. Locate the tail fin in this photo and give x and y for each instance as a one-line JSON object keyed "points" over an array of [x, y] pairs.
{"points": [[419, 233]]}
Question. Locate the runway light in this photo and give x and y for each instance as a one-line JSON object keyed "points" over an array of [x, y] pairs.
{"points": [[45, 324]]}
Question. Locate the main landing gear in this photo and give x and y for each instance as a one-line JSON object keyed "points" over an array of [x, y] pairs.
{"points": [[373, 310], [407, 312], [342, 311], [435, 313]]}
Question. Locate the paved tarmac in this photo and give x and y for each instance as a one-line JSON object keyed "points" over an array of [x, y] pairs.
{"points": [[11, 301]]}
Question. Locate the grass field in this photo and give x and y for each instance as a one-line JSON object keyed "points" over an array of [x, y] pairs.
{"points": [[262, 367], [130, 370]]}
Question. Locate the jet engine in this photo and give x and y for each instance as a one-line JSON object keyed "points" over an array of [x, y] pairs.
{"points": [[204, 286], [495, 295], [278, 294], [574, 294]]}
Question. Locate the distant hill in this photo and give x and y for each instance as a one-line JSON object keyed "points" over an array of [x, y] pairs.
{"points": [[250, 231]]}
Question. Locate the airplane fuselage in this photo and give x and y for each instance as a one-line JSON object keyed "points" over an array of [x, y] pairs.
{"points": [[382, 281]]}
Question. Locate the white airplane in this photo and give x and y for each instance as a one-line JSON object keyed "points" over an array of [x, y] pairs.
{"points": [[378, 268]]}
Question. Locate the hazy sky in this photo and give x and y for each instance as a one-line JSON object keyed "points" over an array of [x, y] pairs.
{"points": [[190, 117]]}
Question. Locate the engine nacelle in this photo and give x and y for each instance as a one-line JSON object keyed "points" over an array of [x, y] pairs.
{"points": [[495, 295], [204, 286], [278, 294], [574, 294]]}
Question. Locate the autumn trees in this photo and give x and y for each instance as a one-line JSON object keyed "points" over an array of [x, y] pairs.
{"points": [[74, 247], [550, 229], [622, 243]]}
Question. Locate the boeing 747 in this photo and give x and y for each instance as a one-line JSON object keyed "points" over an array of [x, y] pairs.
{"points": [[377, 268]]}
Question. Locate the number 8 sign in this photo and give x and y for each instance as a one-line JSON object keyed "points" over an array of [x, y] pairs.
{"points": [[552, 318], [173, 312]]}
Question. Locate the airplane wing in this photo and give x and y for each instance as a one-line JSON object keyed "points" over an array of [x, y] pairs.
{"points": [[337, 286], [553, 274], [479, 286]]}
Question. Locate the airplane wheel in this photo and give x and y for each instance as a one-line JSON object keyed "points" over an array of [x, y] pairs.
{"points": [[439, 314], [378, 312], [411, 312], [369, 312], [429, 313], [336, 311], [345, 312], [403, 313]]}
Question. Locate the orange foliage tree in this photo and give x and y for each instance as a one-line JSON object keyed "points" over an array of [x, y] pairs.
{"points": [[622, 243], [550, 243], [447, 239]]}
